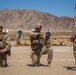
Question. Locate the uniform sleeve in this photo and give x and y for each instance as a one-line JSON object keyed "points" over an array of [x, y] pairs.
{"points": [[8, 43], [33, 35]]}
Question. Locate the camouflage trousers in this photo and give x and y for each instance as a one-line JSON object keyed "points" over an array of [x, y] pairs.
{"points": [[44, 51], [74, 51], [3, 59]]}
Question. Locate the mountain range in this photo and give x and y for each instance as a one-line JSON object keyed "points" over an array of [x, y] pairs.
{"points": [[27, 19]]}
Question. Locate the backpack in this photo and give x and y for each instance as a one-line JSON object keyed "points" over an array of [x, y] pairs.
{"points": [[2, 41]]}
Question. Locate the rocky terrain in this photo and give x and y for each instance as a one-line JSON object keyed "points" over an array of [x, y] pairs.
{"points": [[27, 19]]}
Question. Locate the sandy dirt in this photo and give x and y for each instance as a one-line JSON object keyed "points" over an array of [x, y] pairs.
{"points": [[20, 62]]}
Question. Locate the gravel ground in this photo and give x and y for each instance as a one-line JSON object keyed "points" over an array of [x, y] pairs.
{"points": [[20, 62]]}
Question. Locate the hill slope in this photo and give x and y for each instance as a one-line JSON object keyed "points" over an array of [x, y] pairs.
{"points": [[28, 18]]}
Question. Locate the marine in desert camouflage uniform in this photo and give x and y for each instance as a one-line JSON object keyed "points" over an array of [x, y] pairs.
{"points": [[46, 49], [73, 39], [6, 51]]}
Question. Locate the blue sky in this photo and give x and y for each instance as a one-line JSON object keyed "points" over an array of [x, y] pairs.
{"points": [[55, 7]]}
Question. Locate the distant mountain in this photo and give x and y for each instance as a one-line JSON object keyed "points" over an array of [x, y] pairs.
{"points": [[27, 19]]}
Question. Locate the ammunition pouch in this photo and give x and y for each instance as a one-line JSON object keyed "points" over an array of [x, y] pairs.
{"points": [[8, 53], [35, 42], [2, 44], [39, 46]]}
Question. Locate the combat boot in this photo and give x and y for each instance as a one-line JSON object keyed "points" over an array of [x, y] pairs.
{"points": [[5, 64], [48, 64], [1, 63], [35, 65]]}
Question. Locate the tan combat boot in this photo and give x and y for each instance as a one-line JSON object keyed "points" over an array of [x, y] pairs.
{"points": [[48, 65]]}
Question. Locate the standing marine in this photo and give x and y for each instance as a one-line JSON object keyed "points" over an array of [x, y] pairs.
{"points": [[5, 47], [73, 39]]}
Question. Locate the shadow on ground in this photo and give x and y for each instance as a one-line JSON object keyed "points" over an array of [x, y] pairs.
{"points": [[70, 68], [31, 65]]}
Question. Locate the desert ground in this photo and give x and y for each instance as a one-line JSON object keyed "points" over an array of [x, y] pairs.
{"points": [[20, 62]]}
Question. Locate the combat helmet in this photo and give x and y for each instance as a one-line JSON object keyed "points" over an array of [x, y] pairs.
{"points": [[38, 25]]}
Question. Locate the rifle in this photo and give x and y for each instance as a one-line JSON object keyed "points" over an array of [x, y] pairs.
{"points": [[39, 46]]}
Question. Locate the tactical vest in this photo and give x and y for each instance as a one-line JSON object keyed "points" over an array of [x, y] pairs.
{"points": [[34, 42], [2, 41]]}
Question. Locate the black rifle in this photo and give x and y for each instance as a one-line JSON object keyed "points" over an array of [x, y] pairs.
{"points": [[39, 46]]}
